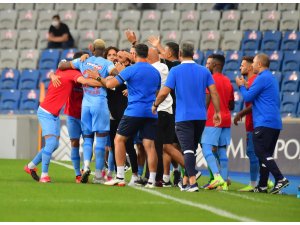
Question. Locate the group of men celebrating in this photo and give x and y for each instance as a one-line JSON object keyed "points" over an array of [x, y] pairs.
{"points": [[169, 99]]}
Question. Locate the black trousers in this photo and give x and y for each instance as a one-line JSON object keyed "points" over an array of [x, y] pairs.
{"points": [[264, 140]]}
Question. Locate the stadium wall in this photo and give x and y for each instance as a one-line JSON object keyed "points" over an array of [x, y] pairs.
{"points": [[19, 140]]}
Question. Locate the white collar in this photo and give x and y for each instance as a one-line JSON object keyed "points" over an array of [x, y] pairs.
{"points": [[188, 61]]}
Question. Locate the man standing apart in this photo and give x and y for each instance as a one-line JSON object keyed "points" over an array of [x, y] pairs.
{"points": [[264, 95], [190, 82]]}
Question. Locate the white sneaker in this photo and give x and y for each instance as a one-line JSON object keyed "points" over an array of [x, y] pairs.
{"points": [[132, 180], [116, 181], [150, 185], [99, 180]]}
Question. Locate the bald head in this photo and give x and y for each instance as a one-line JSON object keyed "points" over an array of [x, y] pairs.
{"points": [[153, 55], [260, 63]]}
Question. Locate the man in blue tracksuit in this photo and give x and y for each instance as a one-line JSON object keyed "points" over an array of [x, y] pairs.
{"points": [[264, 95]]}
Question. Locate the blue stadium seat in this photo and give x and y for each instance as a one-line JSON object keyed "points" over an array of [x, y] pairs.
{"points": [[291, 61], [250, 53], [233, 60], [288, 107], [290, 41], [29, 79], [232, 75], [251, 40], [292, 97], [238, 102], [290, 82], [271, 41], [49, 59], [198, 57], [44, 77], [275, 60], [278, 76], [298, 110], [68, 54], [234, 85], [9, 79], [10, 99], [29, 100]]}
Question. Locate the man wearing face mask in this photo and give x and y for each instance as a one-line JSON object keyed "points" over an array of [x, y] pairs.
{"points": [[59, 35]]}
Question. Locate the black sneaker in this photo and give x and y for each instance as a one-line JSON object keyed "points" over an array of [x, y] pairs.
{"points": [[280, 185], [85, 176], [176, 174], [167, 184], [141, 181], [258, 189]]}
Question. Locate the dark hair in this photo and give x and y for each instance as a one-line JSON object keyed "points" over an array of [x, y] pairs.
{"points": [[187, 49], [248, 59], [79, 54], [219, 58], [174, 47], [108, 49], [141, 50], [56, 17]]}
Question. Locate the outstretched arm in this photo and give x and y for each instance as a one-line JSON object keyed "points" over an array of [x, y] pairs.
{"points": [[89, 82]]}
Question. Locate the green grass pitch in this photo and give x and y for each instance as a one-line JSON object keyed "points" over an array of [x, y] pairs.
{"points": [[23, 199]]}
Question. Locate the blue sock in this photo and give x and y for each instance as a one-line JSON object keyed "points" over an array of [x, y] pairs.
{"points": [[210, 158], [38, 157], [111, 163], [88, 149], [223, 162], [100, 152], [75, 160], [50, 145], [216, 154], [190, 162], [140, 170]]}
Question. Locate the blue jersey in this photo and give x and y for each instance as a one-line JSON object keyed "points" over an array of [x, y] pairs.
{"points": [[103, 66], [265, 98], [142, 80], [190, 81]]}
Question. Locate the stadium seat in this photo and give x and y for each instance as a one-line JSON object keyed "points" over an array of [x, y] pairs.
{"points": [[27, 39], [49, 59], [247, 6], [42, 39], [290, 82], [205, 6], [84, 6], [165, 6], [28, 59], [107, 20], [8, 39], [24, 6], [87, 20], [29, 79], [289, 102], [9, 58], [275, 58], [29, 100], [271, 41], [298, 110], [69, 17], [86, 37], [189, 20], [232, 75], [45, 19], [8, 19], [198, 57], [250, 20], [230, 20], [278, 76], [192, 36], [250, 53], [10, 100], [287, 6], [44, 6], [145, 34], [238, 102], [64, 6], [6, 6], [169, 20], [233, 60], [124, 43], [209, 20], [171, 35], [150, 20], [231, 40], [291, 61], [130, 20], [111, 37], [27, 19], [44, 76], [105, 6], [269, 20], [121, 7], [293, 97], [289, 20], [290, 40], [267, 6], [68, 54], [251, 40], [185, 6], [75, 35], [9, 79], [210, 40]]}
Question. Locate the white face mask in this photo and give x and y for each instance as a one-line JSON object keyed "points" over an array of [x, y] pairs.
{"points": [[55, 23]]}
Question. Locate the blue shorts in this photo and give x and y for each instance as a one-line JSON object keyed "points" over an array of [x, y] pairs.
{"points": [[108, 143], [50, 124], [95, 118], [216, 136], [74, 127]]}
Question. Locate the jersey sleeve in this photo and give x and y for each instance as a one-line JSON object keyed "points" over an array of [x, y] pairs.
{"points": [[124, 75], [210, 79], [110, 67], [170, 83], [76, 63], [77, 75]]}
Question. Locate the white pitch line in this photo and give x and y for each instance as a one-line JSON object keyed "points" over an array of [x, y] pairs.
{"points": [[205, 207], [244, 197]]}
